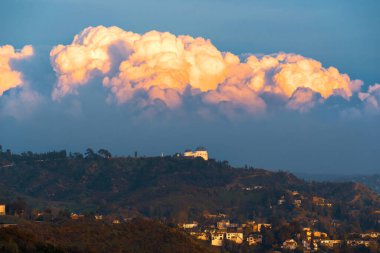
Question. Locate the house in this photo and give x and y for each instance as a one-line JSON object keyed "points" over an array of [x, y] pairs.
{"points": [[98, 217], [330, 243], [200, 235], [319, 201], [217, 239], [235, 237], [294, 193], [7, 225], [372, 235], [75, 216], [316, 234], [2, 210], [199, 152], [234, 225], [355, 243], [190, 225], [39, 213], [260, 226], [254, 239], [223, 224], [281, 201], [250, 223], [307, 245], [298, 202], [289, 244]]}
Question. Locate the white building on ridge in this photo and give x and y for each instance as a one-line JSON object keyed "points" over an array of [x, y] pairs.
{"points": [[199, 152]]}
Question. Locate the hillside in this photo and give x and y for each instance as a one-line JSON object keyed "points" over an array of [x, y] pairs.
{"points": [[90, 237], [177, 189], [371, 181]]}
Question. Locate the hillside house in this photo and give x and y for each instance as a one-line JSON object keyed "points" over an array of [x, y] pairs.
{"points": [[259, 226], [355, 243], [235, 237], [307, 245], [75, 216], [190, 225], [250, 223], [372, 235], [254, 239], [319, 201], [298, 202], [200, 235], [317, 234], [281, 201], [2, 210], [330, 243], [98, 217], [294, 193], [223, 224], [289, 244], [217, 239]]}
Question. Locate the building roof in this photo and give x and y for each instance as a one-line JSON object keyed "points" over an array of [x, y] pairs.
{"points": [[200, 149]]}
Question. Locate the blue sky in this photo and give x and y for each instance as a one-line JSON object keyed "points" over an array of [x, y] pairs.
{"points": [[343, 34]]}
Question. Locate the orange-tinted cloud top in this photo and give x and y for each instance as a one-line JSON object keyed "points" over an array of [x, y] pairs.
{"points": [[163, 66], [10, 78]]}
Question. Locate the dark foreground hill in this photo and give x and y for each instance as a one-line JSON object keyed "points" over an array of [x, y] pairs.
{"points": [[87, 236], [180, 189]]}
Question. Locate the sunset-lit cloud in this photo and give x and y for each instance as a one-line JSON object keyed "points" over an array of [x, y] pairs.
{"points": [[303, 99], [9, 77], [162, 66], [371, 98]]}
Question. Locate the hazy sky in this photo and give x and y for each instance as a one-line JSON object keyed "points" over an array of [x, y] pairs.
{"points": [[285, 112]]}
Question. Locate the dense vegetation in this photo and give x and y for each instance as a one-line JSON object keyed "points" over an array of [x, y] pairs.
{"points": [[87, 236]]}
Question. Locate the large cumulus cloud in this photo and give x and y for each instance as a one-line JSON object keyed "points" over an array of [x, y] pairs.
{"points": [[162, 66], [9, 77]]}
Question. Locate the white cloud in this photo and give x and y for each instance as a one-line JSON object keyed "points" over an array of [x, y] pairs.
{"points": [[161, 66]]}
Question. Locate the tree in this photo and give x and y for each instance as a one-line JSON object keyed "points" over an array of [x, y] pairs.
{"points": [[104, 153], [268, 237], [90, 154], [76, 155], [19, 206]]}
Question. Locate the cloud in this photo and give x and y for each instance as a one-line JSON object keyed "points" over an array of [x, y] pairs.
{"points": [[238, 96], [304, 99], [160, 66], [371, 98], [10, 78], [20, 103]]}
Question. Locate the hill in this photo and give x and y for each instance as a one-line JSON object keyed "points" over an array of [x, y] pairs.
{"points": [[371, 181], [179, 189], [88, 236]]}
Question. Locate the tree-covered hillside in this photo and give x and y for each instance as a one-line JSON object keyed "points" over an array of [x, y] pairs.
{"points": [[176, 189], [87, 236]]}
